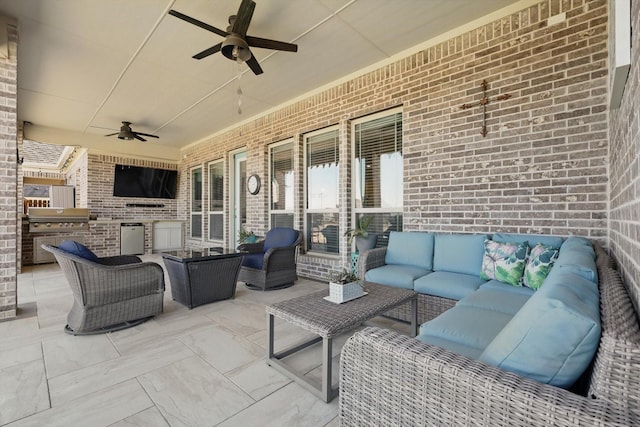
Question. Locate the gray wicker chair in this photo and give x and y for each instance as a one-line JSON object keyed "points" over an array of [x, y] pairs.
{"points": [[271, 263], [110, 293]]}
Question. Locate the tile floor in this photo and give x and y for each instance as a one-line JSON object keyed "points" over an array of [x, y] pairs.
{"points": [[200, 367]]}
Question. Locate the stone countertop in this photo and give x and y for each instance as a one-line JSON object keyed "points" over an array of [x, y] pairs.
{"points": [[132, 220]]}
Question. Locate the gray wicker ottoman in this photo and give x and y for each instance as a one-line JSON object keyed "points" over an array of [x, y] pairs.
{"points": [[326, 319]]}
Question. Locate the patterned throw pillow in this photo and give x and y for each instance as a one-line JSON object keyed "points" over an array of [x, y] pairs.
{"points": [[539, 264], [504, 261]]}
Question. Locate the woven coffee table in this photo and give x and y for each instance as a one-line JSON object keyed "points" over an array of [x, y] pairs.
{"points": [[326, 319]]}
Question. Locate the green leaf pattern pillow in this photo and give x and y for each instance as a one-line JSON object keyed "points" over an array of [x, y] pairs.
{"points": [[539, 264], [504, 261]]}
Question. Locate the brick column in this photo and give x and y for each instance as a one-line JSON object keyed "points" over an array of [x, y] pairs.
{"points": [[9, 168]]}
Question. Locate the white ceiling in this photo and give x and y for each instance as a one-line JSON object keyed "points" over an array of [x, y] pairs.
{"points": [[87, 65]]}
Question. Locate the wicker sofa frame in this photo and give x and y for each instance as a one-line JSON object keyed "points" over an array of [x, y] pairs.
{"points": [[390, 379], [111, 294]]}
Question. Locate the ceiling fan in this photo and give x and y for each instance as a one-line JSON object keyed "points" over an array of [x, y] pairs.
{"points": [[236, 43], [127, 133]]}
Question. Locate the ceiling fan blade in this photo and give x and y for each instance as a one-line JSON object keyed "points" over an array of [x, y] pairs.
{"points": [[270, 44], [135, 135], [253, 64], [112, 134], [198, 23], [243, 17], [146, 134], [207, 52]]}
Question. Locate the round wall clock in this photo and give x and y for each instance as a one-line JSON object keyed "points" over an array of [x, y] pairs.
{"points": [[253, 184]]}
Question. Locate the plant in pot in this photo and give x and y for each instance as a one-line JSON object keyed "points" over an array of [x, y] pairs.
{"points": [[364, 239], [344, 286], [245, 236]]}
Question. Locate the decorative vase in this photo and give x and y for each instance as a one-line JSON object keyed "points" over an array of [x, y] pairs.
{"points": [[341, 292], [366, 243]]}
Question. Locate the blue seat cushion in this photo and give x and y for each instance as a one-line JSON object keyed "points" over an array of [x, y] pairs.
{"points": [[77, 249], [532, 239], [410, 248], [470, 326], [505, 287], [448, 285], [459, 253], [399, 276], [578, 259], [253, 261], [280, 237], [554, 336], [456, 347], [495, 300]]}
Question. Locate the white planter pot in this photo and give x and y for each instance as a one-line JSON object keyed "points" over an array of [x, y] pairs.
{"points": [[339, 292]]}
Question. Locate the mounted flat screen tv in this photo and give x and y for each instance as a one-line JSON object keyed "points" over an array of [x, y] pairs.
{"points": [[135, 181]]}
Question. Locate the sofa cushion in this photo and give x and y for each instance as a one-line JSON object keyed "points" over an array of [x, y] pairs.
{"points": [[578, 259], [77, 249], [539, 264], [279, 237], [495, 300], [533, 239], [580, 243], [399, 276], [458, 253], [410, 248], [505, 287], [504, 261], [447, 344], [554, 336], [471, 326], [447, 285]]}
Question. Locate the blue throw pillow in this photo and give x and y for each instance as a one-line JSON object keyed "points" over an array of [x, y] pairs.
{"points": [[78, 249]]}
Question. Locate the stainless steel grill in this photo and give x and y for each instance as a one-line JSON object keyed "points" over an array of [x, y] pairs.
{"points": [[58, 219]]}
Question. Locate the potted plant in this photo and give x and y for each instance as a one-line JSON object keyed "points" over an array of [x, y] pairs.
{"points": [[344, 286], [364, 239], [245, 236]]}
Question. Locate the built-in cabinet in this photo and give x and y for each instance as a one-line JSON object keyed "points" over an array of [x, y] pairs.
{"points": [[40, 256], [167, 235]]}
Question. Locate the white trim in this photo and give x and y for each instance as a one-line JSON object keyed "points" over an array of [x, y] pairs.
{"points": [[268, 184], [191, 211]]}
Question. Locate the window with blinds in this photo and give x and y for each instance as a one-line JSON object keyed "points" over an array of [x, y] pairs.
{"points": [[216, 200], [282, 190], [322, 217], [196, 202], [378, 172]]}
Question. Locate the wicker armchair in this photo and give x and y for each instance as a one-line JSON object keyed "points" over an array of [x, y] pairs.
{"points": [[271, 263], [110, 293]]}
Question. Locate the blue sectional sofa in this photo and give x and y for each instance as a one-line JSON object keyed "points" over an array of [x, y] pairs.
{"points": [[565, 354], [550, 334]]}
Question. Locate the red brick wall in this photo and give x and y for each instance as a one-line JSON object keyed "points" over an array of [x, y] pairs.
{"points": [[542, 168]]}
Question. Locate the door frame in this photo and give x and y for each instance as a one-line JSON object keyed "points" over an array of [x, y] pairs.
{"points": [[235, 185]]}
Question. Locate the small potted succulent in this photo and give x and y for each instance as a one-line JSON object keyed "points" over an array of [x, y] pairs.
{"points": [[245, 236], [344, 286], [364, 239]]}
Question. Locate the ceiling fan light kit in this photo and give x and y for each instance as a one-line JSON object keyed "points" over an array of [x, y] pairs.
{"points": [[127, 134], [236, 43]]}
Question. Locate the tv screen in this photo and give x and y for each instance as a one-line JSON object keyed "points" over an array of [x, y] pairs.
{"points": [[135, 181]]}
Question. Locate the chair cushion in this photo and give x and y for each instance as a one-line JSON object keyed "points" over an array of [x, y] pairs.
{"points": [[578, 259], [533, 239], [494, 299], [458, 253], [554, 336], [77, 249], [399, 276], [444, 284], [504, 261], [471, 326], [410, 248], [280, 237], [253, 261], [539, 264]]}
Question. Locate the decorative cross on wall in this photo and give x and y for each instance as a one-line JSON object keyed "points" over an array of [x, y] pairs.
{"points": [[483, 102]]}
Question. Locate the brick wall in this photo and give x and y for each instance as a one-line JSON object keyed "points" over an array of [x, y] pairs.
{"points": [[542, 168], [624, 170], [9, 171]]}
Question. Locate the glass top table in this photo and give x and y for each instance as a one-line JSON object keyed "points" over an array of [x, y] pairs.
{"points": [[202, 254]]}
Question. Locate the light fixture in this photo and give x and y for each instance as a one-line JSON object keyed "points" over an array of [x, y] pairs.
{"points": [[234, 47]]}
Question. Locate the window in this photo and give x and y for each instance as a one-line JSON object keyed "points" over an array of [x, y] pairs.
{"points": [[378, 172], [196, 202], [322, 221], [281, 190], [216, 200]]}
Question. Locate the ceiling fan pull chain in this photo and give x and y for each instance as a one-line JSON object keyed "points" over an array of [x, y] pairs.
{"points": [[239, 90]]}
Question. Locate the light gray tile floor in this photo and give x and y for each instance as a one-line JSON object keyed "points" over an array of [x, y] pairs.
{"points": [[200, 367]]}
